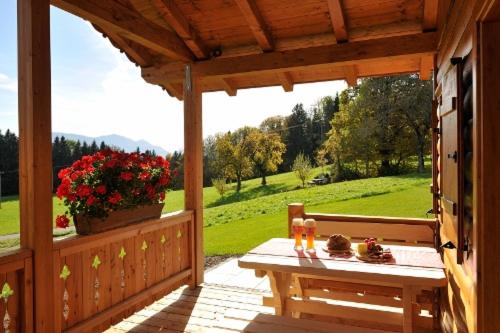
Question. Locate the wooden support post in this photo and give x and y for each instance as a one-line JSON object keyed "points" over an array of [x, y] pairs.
{"points": [[294, 210], [280, 285], [487, 146], [409, 300], [193, 167], [35, 153]]}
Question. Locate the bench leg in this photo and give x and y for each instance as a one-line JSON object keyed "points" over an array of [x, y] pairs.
{"points": [[409, 302], [280, 286]]}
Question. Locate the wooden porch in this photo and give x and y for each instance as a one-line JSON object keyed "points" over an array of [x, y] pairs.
{"points": [[230, 300], [88, 283]]}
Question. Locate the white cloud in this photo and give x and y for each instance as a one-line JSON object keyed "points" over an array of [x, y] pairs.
{"points": [[7, 83]]}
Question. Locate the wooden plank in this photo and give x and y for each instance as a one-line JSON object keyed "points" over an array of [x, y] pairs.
{"points": [[488, 148], [429, 20], [286, 81], [408, 301], [28, 325], [256, 23], [426, 67], [77, 243], [388, 232], [351, 75], [104, 315], [388, 49], [130, 24], [193, 169], [338, 22], [342, 271], [343, 311], [228, 87], [35, 151], [172, 14], [140, 56]]}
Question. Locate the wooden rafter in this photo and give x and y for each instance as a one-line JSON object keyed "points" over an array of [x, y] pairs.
{"points": [[351, 75], [338, 21], [175, 89], [228, 87], [316, 57], [115, 17], [429, 20], [255, 21], [139, 56], [426, 67], [171, 13], [286, 81]]}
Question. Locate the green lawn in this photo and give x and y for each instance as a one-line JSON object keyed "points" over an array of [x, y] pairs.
{"points": [[240, 221]]}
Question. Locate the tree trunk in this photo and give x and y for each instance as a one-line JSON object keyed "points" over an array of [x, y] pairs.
{"points": [[238, 183], [421, 165], [264, 181]]}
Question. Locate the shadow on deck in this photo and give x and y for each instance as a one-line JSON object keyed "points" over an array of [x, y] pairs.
{"points": [[230, 300]]}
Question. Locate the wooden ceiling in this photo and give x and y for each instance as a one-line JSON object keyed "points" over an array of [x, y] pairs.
{"points": [[235, 44]]}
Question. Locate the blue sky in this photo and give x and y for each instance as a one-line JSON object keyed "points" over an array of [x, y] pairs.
{"points": [[96, 90]]}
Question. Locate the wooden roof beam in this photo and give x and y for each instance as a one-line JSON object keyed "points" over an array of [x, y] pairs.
{"points": [[351, 75], [176, 90], [316, 57], [426, 67], [119, 19], [286, 81], [429, 20], [228, 87], [174, 17], [338, 21], [139, 56], [256, 22]]}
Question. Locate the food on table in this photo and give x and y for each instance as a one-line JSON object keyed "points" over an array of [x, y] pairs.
{"points": [[362, 248], [338, 242], [374, 250], [310, 229], [298, 230]]}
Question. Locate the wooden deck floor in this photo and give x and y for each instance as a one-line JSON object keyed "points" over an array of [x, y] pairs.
{"points": [[229, 301]]}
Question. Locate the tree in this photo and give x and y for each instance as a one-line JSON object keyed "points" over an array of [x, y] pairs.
{"points": [[233, 153], [302, 168], [267, 151], [321, 159], [298, 137], [220, 185]]}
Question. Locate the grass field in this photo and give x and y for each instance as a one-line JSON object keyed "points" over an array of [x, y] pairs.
{"points": [[240, 221]]}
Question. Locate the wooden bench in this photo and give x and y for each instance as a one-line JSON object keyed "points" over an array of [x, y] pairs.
{"points": [[388, 231]]}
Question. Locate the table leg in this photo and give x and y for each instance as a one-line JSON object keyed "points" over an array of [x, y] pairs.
{"points": [[280, 286], [409, 299]]}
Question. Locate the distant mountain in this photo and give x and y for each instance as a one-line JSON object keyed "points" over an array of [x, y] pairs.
{"points": [[119, 141]]}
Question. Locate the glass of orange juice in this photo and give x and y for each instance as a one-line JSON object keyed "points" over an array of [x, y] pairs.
{"points": [[298, 230], [310, 229]]}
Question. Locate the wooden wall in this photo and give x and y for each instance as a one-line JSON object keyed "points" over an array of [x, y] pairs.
{"points": [[460, 27]]}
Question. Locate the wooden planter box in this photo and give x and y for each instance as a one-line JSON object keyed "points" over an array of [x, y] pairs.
{"points": [[116, 219]]}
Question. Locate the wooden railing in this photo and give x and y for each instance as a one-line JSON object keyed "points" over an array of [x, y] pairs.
{"points": [[102, 278], [16, 291], [388, 230]]}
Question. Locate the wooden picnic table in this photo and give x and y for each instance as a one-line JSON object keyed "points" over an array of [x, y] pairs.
{"points": [[413, 269]]}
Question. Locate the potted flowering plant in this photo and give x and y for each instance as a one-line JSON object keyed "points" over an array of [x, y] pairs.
{"points": [[110, 189]]}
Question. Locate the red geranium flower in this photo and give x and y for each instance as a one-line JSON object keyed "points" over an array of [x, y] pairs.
{"points": [[115, 198], [144, 175], [126, 175], [101, 189], [91, 200], [83, 190], [162, 196], [62, 221]]}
